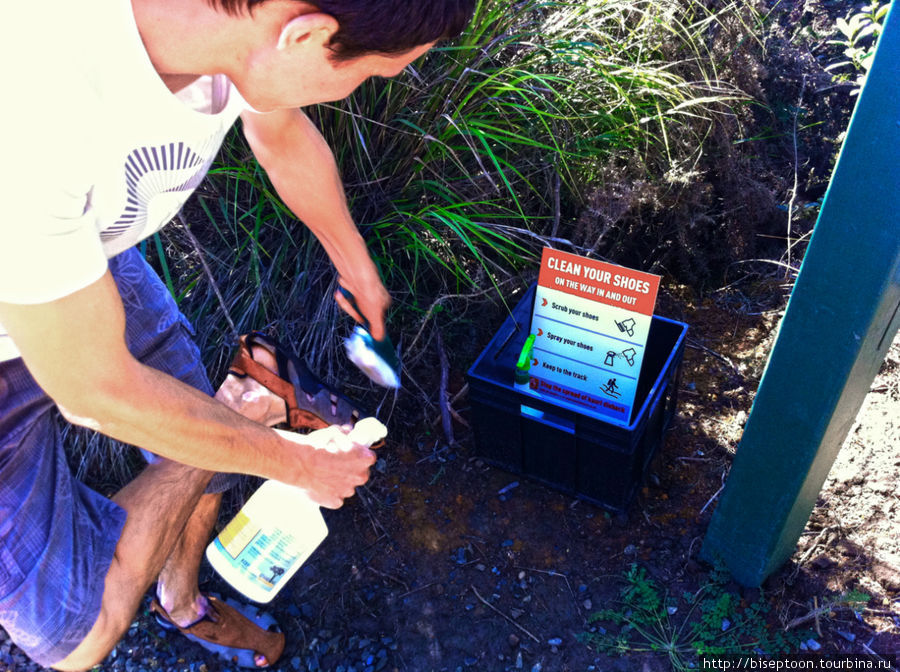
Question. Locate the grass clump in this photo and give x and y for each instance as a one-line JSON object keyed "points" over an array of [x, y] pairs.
{"points": [[469, 165]]}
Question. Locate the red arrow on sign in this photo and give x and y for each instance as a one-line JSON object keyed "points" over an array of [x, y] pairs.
{"points": [[544, 303], [540, 332]]}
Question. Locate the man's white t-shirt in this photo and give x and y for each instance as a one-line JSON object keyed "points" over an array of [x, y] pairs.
{"points": [[99, 153]]}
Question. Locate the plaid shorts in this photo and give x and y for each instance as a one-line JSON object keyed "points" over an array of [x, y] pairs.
{"points": [[57, 536]]}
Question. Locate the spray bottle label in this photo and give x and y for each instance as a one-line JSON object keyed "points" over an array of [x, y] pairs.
{"points": [[261, 556]]}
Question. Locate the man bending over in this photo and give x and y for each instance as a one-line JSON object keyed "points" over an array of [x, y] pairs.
{"points": [[113, 111]]}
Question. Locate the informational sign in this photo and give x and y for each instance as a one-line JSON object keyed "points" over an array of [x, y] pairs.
{"points": [[591, 320]]}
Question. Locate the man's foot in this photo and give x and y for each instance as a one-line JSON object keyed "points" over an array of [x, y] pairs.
{"points": [[238, 633], [184, 614]]}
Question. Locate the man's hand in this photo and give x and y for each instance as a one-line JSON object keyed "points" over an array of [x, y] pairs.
{"points": [[372, 301], [329, 463], [302, 169], [333, 463]]}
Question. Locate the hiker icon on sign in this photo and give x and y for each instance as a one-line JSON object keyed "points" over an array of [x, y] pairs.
{"points": [[611, 388]]}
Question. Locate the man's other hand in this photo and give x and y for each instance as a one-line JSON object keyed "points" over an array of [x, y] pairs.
{"points": [[372, 301]]}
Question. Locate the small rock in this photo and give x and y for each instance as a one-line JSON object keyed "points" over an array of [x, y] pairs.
{"points": [[887, 576], [295, 662], [849, 636], [515, 613], [556, 641], [519, 662], [741, 417], [588, 605], [823, 562], [513, 640], [536, 667], [503, 491], [521, 576], [631, 549], [813, 645]]}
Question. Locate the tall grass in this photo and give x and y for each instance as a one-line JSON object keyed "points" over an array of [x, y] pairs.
{"points": [[460, 170], [456, 167]]}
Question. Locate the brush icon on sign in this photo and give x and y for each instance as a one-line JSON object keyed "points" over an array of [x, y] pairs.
{"points": [[626, 326]]}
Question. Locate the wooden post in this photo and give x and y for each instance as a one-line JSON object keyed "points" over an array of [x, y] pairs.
{"points": [[841, 319]]}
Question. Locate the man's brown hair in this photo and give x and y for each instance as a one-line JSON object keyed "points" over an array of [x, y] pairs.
{"points": [[381, 26]]}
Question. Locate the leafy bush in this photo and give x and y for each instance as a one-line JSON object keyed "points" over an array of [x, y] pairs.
{"points": [[860, 32], [713, 620]]}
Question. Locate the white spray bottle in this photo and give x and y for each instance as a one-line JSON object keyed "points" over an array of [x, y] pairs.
{"points": [[279, 527]]}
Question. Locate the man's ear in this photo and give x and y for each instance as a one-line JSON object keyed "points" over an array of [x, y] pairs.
{"points": [[313, 28]]}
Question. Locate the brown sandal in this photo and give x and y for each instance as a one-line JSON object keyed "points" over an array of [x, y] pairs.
{"points": [[309, 403], [229, 634]]}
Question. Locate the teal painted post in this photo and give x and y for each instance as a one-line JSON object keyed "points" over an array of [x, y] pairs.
{"points": [[840, 321]]}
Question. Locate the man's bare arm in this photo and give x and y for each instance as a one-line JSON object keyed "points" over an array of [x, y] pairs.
{"points": [[75, 349], [302, 169]]}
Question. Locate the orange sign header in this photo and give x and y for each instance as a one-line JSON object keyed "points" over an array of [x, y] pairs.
{"points": [[599, 281]]}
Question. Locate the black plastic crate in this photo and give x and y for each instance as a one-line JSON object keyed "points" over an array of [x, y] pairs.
{"points": [[567, 447]]}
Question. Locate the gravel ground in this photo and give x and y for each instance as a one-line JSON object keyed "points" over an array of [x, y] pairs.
{"points": [[149, 648]]}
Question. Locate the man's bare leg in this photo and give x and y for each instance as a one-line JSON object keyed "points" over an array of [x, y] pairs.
{"points": [[168, 544], [178, 585], [159, 503]]}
